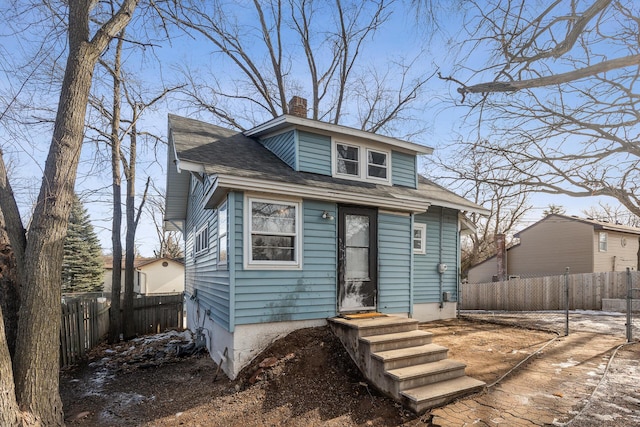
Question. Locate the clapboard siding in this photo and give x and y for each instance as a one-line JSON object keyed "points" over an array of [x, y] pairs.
{"points": [[403, 169], [314, 153], [282, 295], [202, 276], [394, 263], [426, 277], [283, 146]]}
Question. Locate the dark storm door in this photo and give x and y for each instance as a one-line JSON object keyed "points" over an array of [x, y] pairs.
{"points": [[357, 259]]}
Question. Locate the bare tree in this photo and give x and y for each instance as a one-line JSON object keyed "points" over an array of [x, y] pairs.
{"points": [[274, 50], [468, 175], [614, 215], [557, 97], [38, 251], [168, 241]]}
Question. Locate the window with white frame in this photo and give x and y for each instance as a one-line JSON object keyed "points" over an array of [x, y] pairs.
{"points": [[377, 164], [223, 225], [273, 233], [419, 238], [353, 161], [347, 159], [201, 243], [602, 241]]}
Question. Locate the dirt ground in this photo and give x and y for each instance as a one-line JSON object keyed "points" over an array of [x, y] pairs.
{"points": [[304, 379]]}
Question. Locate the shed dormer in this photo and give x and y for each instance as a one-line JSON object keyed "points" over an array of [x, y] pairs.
{"points": [[328, 149]]}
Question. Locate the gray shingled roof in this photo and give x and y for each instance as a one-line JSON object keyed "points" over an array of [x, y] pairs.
{"points": [[223, 151]]}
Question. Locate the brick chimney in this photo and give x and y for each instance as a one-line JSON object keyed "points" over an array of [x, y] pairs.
{"points": [[298, 107]]}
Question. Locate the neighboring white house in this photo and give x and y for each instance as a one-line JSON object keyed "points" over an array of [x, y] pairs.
{"points": [[152, 276]]}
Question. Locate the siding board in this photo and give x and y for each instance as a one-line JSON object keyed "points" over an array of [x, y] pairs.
{"points": [[283, 146], [403, 169], [281, 295], [314, 153], [394, 262], [202, 276]]}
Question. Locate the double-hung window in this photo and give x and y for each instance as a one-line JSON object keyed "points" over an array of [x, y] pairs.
{"points": [[348, 159], [273, 234], [602, 241], [223, 225], [362, 163], [419, 238], [377, 165]]}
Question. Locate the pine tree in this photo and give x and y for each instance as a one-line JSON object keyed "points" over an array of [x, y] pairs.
{"points": [[82, 266]]}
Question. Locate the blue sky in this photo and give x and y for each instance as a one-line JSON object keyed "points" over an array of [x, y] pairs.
{"points": [[399, 37]]}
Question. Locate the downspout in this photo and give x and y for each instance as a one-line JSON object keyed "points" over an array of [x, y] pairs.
{"points": [[411, 265], [440, 257], [458, 266], [231, 257]]}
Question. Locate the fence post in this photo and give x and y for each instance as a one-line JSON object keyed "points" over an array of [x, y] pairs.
{"points": [[629, 305], [566, 302]]}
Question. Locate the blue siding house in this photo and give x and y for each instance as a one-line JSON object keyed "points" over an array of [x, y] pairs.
{"points": [[296, 221]]}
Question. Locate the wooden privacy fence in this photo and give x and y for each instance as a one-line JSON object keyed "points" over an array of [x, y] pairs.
{"points": [[85, 322], [155, 314], [586, 292]]}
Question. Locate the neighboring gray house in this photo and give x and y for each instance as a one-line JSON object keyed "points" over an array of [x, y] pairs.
{"points": [[558, 241], [296, 221]]}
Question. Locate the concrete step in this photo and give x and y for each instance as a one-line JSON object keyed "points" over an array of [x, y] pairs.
{"points": [[402, 357], [425, 374], [377, 343], [379, 325], [423, 398]]}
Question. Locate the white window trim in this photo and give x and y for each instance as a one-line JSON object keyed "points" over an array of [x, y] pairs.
{"points": [[272, 265], [205, 246], [606, 241], [367, 164], [223, 263], [423, 239], [363, 162]]}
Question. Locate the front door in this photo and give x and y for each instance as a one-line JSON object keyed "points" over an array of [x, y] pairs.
{"points": [[357, 259]]}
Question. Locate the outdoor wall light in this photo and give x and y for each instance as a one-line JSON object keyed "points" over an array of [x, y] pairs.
{"points": [[327, 215]]}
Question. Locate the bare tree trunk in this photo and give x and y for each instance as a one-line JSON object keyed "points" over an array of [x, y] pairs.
{"points": [[130, 174], [9, 413], [115, 317], [38, 345], [9, 290]]}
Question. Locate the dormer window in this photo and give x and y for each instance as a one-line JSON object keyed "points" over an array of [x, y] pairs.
{"points": [[361, 163], [377, 164], [347, 158]]}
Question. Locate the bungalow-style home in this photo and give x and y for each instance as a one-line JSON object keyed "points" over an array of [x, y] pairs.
{"points": [[296, 221], [152, 276], [550, 245]]}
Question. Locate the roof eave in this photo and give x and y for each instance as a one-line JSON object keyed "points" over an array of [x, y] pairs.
{"points": [[286, 120]]}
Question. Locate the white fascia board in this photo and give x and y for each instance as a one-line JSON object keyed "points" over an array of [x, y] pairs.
{"points": [[463, 208], [278, 188], [309, 124], [186, 165]]}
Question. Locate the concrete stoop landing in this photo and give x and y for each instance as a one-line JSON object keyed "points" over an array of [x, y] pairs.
{"points": [[401, 361]]}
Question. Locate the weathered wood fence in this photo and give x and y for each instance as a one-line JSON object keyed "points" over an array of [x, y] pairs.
{"points": [[155, 314], [85, 322], [586, 292]]}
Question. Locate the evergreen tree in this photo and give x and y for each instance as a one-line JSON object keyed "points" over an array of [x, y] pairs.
{"points": [[82, 266]]}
